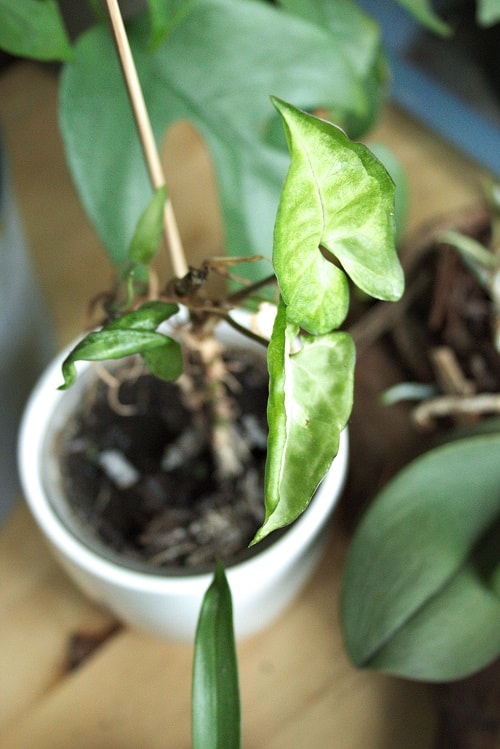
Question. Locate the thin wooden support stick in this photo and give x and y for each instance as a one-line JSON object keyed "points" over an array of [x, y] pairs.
{"points": [[146, 136]]}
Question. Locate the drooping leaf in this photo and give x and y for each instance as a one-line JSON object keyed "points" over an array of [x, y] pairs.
{"points": [[337, 196], [416, 599], [146, 238], [215, 699], [34, 29], [132, 333], [310, 399], [423, 11], [217, 69]]}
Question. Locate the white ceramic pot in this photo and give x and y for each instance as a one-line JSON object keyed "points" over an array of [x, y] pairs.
{"points": [[262, 585]]}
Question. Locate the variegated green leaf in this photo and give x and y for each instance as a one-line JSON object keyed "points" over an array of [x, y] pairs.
{"points": [[310, 399], [165, 15], [337, 208], [216, 69]]}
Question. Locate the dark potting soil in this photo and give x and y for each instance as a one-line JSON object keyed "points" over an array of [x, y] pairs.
{"points": [[145, 482]]}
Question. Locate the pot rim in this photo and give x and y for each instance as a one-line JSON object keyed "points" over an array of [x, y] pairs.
{"points": [[38, 415]]}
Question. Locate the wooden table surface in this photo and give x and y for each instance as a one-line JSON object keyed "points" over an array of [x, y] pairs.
{"points": [[133, 692]]}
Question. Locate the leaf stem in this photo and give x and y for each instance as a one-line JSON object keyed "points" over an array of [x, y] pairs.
{"points": [[146, 136]]}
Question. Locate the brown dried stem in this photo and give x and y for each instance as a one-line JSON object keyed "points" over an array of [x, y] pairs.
{"points": [[452, 405]]}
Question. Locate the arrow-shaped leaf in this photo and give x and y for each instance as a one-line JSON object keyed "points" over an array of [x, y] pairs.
{"points": [[418, 594], [310, 399], [132, 333], [337, 196]]}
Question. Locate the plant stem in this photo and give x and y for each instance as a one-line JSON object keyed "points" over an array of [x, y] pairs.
{"points": [[146, 136]]}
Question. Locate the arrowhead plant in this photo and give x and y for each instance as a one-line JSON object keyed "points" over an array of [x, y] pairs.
{"points": [[334, 227], [216, 63]]}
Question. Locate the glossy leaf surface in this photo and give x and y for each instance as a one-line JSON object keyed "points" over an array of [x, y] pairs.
{"points": [[217, 69], [339, 197], [310, 399], [34, 29], [418, 594], [216, 699], [132, 333]]}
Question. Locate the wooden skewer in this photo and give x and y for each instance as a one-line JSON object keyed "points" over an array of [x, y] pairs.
{"points": [[146, 136]]}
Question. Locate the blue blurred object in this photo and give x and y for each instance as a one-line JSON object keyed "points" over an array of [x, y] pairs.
{"points": [[438, 82]]}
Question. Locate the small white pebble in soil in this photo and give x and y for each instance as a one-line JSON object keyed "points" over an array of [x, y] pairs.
{"points": [[118, 469]]}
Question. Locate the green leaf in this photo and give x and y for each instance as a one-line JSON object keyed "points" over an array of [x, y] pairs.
{"points": [[416, 599], [310, 400], [146, 317], [451, 637], [422, 10], [165, 15], [132, 333], [338, 196], [488, 12], [402, 186], [215, 698], [358, 36], [216, 69], [147, 235], [34, 29]]}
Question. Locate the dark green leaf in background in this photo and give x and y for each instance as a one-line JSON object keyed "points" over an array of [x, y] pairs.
{"points": [[358, 36], [417, 599], [217, 69], [34, 29]]}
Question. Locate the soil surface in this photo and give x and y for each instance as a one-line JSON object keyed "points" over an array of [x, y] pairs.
{"points": [[139, 471]]}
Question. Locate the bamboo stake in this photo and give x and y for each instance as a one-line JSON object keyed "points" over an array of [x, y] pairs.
{"points": [[146, 136]]}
